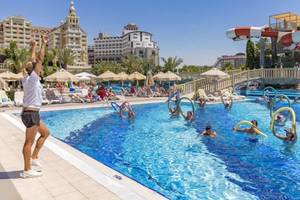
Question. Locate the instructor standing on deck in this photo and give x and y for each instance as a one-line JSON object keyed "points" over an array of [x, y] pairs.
{"points": [[30, 116]]}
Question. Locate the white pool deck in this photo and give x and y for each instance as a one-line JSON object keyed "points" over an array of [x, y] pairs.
{"points": [[68, 173]]}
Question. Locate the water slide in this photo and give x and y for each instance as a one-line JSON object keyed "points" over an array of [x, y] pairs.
{"points": [[287, 39]]}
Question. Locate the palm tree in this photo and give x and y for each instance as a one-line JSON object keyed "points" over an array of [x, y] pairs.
{"points": [[132, 64], [170, 64], [16, 58], [103, 66], [65, 57]]}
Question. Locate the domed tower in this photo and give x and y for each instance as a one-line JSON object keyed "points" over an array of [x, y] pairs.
{"points": [[72, 18]]}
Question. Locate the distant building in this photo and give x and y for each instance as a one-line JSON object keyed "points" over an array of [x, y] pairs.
{"points": [[237, 60], [70, 35], [15, 28], [132, 42]]}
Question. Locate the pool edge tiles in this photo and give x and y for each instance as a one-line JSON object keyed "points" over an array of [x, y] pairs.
{"points": [[121, 185]]}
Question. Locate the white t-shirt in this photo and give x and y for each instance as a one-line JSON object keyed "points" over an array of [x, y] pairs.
{"points": [[32, 91]]}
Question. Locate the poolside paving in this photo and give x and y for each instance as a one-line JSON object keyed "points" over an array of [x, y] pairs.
{"points": [[60, 181]]}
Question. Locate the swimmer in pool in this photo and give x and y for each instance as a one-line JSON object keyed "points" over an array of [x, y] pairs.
{"points": [[201, 102], [208, 132], [127, 106], [280, 119], [174, 111], [289, 135], [189, 116], [252, 130]]}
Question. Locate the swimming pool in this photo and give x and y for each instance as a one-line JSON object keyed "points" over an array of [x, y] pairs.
{"points": [[165, 154]]}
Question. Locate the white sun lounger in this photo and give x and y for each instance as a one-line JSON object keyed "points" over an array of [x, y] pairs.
{"points": [[4, 100]]}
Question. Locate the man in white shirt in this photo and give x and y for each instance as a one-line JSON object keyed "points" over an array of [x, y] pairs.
{"points": [[32, 103]]}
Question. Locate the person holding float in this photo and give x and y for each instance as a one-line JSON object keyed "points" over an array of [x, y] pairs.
{"points": [[124, 107], [252, 130], [290, 133], [190, 114], [173, 103]]}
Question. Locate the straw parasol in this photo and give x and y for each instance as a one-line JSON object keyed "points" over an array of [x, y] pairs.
{"points": [[158, 76], [136, 76], [215, 73], [170, 76], [9, 76], [149, 79], [84, 78], [108, 76], [62, 76], [122, 77], [85, 74]]}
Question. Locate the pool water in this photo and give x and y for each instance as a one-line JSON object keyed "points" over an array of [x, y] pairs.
{"points": [[165, 154]]}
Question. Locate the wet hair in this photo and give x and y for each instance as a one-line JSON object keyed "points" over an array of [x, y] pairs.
{"points": [[254, 122], [208, 128]]}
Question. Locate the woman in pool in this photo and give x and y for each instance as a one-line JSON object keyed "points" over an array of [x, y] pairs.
{"points": [[290, 136], [208, 132], [280, 120], [126, 105], [252, 130], [174, 111], [189, 116], [201, 102]]}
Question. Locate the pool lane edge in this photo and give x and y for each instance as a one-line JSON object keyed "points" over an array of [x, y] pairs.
{"points": [[125, 188]]}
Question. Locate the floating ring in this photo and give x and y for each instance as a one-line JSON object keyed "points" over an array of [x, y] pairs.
{"points": [[274, 101], [272, 123], [116, 106], [180, 109], [268, 89], [245, 122], [170, 101]]}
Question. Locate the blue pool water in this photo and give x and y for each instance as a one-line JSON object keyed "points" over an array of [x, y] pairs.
{"points": [[165, 154]]}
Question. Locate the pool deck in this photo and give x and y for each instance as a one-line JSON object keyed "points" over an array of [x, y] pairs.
{"points": [[68, 173]]}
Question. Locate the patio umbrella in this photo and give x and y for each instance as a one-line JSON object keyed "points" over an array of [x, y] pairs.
{"points": [[84, 78], [170, 76], [149, 79], [215, 73], [108, 76], [85, 74], [9, 76], [122, 77], [136, 76], [62, 76], [159, 76]]}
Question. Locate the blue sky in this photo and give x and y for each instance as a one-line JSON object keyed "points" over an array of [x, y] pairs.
{"points": [[191, 29]]}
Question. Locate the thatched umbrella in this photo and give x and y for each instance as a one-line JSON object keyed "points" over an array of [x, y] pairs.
{"points": [[215, 73], [108, 76], [62, 76], [123, 77], [159, 76], [136, 76], [170, 76], [9, 76], [85, 74], [149, 79]]}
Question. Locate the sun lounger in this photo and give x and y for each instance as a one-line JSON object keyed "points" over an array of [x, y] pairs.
{"points": [[19, 98], [4, 100]]}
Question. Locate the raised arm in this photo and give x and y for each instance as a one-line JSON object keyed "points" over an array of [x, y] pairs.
{"points": [[33, 56], [40, 56]]}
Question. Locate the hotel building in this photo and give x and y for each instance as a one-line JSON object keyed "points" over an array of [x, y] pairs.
{"points": [[236, 60], [132, 42], [70, 35]]}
